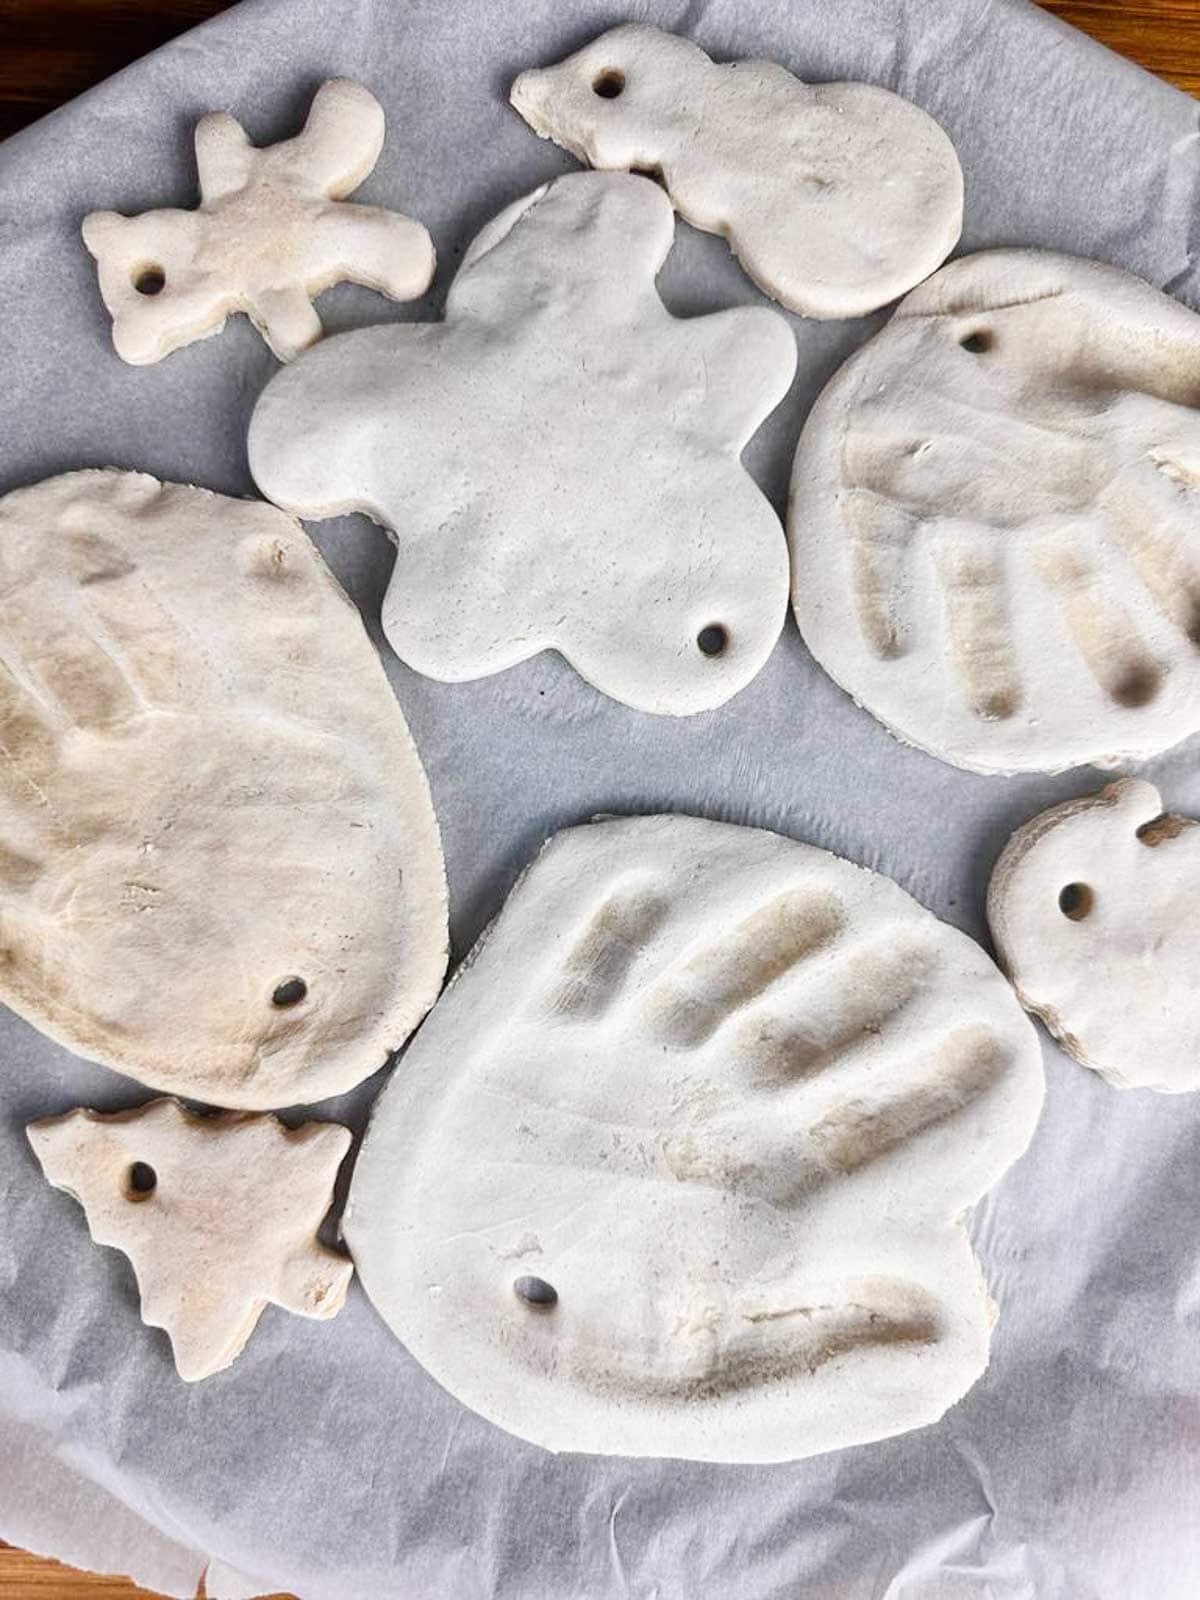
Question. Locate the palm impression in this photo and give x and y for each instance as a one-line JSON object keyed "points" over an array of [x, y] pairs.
{"points": [[1092, 907], [995, 517], [220, 870], [557, 461], [677, 1165]]}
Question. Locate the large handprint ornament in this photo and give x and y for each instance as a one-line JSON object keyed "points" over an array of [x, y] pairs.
{"points": [[677, 1165], [557, 461], [220, 869], [995, 517]]}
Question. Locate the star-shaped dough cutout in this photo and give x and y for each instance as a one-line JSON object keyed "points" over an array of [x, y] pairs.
{"points": [[558, 461], [218, 1215], [270, 234]]}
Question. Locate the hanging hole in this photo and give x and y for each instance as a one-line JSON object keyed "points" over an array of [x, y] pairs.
{"points": [[140, 1181], [1075, 901], [712, 640], [289, 993], [536, 1292], [609, 83], [149, 280], [976, 343]]}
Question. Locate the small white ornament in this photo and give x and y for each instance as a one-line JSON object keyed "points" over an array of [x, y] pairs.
{"points": [[269, 235], [835, 197], [1093, 907], [218, 1215]]}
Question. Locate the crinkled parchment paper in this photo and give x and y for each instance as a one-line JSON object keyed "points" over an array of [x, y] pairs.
{"points": [[325, 1461]]}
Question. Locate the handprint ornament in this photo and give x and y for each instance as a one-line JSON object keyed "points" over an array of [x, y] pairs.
{"points": [[995, 517], [558, 461], [220, 871], [678, 1163]]}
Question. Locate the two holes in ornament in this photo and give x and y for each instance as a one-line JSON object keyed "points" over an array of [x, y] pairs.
{"points": [[1076, 900], [141, 1180]]}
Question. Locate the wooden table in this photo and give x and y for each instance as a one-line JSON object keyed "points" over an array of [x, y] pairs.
{"points": [[51, 49]]}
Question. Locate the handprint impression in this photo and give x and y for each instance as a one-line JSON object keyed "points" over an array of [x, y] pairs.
{"points": [[995, 519], [721, 1138], [208, 799]]}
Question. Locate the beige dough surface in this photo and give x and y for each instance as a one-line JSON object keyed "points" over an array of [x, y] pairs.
{"points": [[835, 197], [209, 799], [995, 517], [271, 232], [1093, 909], [218, 1215], [558, 461], [678, 1164]]}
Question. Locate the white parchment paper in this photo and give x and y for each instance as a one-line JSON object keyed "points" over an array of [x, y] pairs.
{"points": [[325, 1461]]}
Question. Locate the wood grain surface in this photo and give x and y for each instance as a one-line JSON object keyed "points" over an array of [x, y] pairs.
{"points": [[24, 1577], [50, 50]]}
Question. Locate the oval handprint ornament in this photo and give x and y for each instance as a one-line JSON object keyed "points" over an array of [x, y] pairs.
{"points": [[220, 870], [995, 517]]}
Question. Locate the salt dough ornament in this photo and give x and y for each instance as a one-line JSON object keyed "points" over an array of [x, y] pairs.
{"points": [[220, 869], [725, 1099], [269, 235], [995, 517], [835, 197], [218, 1214], [557, 461], [1093, 909]]}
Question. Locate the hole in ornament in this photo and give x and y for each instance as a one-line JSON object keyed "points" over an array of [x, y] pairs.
{"points": [[141, 1181], [977, 342], [712, 639], [536, 1292], [608, 84], [149, 280], [289, 993], [1075, 901]]}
